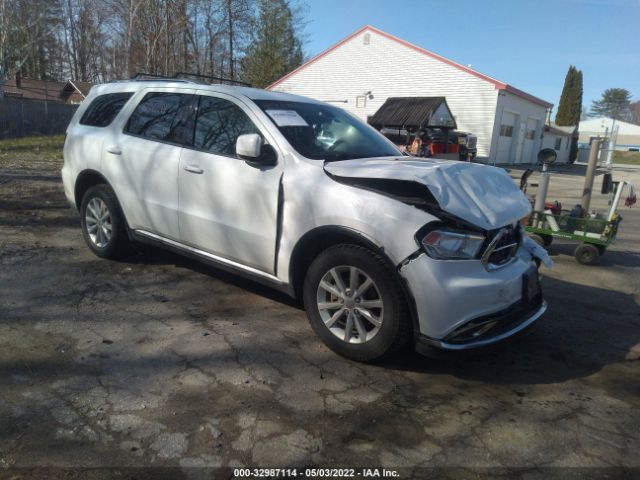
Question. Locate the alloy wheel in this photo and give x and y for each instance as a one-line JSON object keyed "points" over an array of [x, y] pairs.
{"points": [[98, 222], [350, 304]]}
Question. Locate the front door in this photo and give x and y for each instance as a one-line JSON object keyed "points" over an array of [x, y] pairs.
{"points": [[228, 207], [142, 157]]}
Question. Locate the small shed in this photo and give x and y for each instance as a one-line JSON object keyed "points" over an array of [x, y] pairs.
{"points": [[415, 114], [559, 138]]}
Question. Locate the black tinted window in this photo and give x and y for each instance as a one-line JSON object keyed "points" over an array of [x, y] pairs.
{"points": [[164, 116], [104, 109], [220, 122]]}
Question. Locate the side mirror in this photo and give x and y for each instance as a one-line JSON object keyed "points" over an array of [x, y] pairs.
{"points": [[248, 146]]}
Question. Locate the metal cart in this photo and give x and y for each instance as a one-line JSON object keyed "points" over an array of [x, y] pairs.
{"points": [[594, 234]]}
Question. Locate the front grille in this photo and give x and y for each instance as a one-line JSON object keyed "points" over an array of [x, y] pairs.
{"points": [[503, 246]]}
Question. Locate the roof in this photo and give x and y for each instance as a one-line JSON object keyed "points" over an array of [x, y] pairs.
{"points": [[498, 84], [602, 123], [81, 87], [34, 89], [565, 131], [409, 112]]}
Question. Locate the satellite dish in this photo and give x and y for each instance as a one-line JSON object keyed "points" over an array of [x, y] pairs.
{"points": [[547, 156]]}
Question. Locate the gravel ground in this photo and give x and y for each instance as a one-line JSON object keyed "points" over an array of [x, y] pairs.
{"points": [[158, 361]]}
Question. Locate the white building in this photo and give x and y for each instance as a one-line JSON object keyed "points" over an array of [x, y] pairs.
{"points": [[559, 138], [628, 134], [363, 70]]}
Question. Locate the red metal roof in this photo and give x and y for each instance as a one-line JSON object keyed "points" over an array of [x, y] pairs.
{"points": [[498, 84]]}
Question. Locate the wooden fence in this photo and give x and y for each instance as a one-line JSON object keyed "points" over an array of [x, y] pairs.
{"points": [[20, 117]]}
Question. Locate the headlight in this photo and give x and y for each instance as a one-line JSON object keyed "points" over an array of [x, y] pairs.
{"points": [[444, 244]]}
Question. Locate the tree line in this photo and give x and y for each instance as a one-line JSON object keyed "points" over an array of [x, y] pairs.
{"points": [[101, 40], [614, 103]]}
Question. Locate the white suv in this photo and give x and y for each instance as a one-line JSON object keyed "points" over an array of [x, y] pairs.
{"points": [[383, 249]]}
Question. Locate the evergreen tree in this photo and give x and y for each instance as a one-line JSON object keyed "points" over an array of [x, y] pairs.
{"points": [[615, 103], [276, 48], [570, 106]]}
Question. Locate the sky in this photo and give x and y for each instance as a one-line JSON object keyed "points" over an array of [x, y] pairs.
{"points": [[528, 44]]}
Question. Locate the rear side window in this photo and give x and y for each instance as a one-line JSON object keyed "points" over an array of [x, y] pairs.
{"points": [[104, 109], [220, 123], [166, 117]]}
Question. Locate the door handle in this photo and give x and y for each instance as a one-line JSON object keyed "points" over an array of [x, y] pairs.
{"points": [[114, 150], [194, 169]]}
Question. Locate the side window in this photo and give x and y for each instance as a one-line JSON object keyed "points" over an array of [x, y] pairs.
{"points": [[219, 124], [167, 117], [104, 108]]}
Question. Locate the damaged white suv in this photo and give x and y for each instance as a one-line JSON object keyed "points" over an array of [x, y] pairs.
{"points": [[383, 249]]}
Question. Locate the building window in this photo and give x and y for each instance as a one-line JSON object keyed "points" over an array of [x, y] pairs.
{"points": [[506, 131], [558, 143], [361, 101], [367, 39], [530, 135]]}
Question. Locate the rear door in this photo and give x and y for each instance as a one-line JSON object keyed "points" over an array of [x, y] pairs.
{"points": [[228, 207], [142, 158]]}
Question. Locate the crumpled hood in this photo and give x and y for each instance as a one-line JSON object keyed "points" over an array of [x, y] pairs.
{"points": [[482, 195]]}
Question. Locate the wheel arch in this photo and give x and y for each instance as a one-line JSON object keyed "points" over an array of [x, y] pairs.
{"points": [[85, 180], [89, 178], [311, 244]]}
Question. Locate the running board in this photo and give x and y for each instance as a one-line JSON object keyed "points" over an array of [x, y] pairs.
{"points": [[215, 260]]}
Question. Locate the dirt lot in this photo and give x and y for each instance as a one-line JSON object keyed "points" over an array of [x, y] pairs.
{"points": [[161, 362]]}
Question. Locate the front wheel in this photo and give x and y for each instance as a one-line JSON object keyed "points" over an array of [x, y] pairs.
{"points": [[354, 303]]}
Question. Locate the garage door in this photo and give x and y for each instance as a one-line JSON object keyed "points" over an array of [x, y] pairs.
{"points": [[529, 141], [505, 140]]}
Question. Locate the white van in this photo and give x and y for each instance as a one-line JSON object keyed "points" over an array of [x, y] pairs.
{"points": [[385, 250]]}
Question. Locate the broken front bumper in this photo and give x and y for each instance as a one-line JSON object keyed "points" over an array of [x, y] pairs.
{"points": [[492, 329], [461, 305]]}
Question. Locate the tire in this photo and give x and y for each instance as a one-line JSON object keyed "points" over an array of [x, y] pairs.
{"points": [[367, 340], [587, 254], [100, 201], [537, 238], [547, 240]]}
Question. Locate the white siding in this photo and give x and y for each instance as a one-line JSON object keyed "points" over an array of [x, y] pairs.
{"points": [[390, 69], [549, 141], [527, 115]]}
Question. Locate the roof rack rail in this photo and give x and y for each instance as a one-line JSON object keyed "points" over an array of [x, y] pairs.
{"points": [[153, 77], [187, 77], [210, 77]]}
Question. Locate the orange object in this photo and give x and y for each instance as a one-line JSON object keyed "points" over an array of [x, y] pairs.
{"points": [[438, 147]]}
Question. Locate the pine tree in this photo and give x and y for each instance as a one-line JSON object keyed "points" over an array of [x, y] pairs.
{"points": [[276, 48], [570, 106], [615, 103]]}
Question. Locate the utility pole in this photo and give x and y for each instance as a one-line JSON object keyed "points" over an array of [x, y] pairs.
{"points": [[590, 175]]}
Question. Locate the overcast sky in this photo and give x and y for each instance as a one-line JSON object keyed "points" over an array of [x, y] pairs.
{"points": [[526, 43]]}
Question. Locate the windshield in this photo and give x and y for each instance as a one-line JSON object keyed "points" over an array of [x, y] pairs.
{"points": [[324, 132]]}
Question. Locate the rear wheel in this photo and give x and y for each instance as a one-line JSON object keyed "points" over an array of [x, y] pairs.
{"points": [[354, 303], [587, 254], [537, 238], [103, 226], [547, 240]]}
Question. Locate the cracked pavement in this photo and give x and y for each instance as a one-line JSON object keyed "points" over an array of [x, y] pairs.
{"points": [[159, 361]]}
